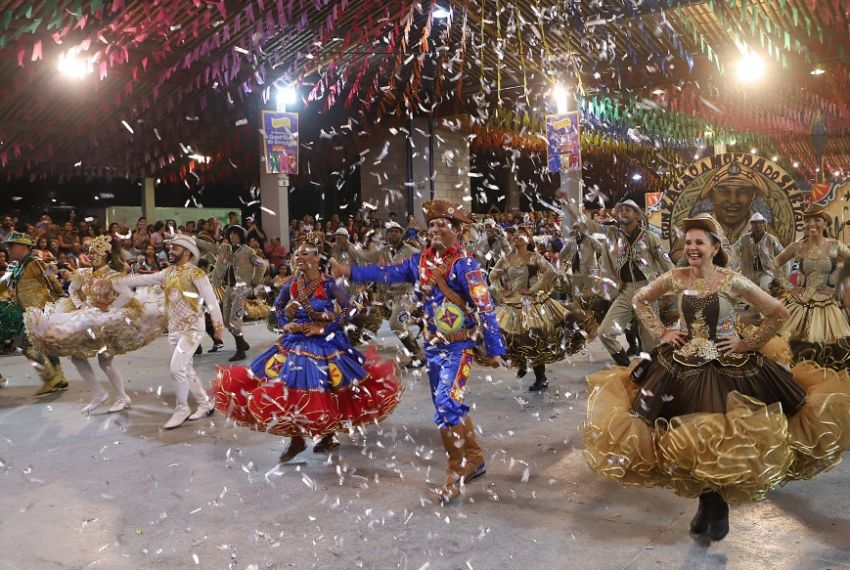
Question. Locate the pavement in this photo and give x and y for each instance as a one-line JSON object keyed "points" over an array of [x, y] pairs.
{"points": [[116, 491]]}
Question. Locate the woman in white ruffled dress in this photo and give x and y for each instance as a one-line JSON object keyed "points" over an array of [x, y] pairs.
{"points": [[84, 326]]}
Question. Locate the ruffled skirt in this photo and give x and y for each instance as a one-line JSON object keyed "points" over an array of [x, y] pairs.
{"points": [[542, 332], [741, 434], [819, 320], [63, 330], [309, 387]]}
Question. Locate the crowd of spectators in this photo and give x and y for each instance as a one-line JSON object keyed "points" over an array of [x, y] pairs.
{"points": [[144, 248]]}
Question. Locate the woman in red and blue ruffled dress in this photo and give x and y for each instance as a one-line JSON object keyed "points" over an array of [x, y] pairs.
{"points": [[311, 382]]}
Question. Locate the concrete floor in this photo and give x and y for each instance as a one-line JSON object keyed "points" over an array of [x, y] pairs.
{"points": [[115, 491]]}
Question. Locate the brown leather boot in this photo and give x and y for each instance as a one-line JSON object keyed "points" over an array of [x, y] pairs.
{"points": [[453, 443], [474, 466]]}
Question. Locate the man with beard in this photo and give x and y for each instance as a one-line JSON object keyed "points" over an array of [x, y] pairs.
{"points": [[399, 295], [238, 271], [756, 250], [34, 286], [187, 289], [635, 257]]}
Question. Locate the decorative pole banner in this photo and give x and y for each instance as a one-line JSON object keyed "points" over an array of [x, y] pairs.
{"points": [[280, 142], [564, 142], [733, 187]]}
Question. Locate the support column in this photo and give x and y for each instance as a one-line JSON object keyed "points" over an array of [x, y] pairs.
{"points": [[149, 199], [511, 187], [274, 202]]}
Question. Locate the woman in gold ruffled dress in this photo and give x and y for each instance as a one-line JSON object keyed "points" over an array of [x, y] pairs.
{"points": [[538, 329], [709, 415], [818, 329], [84, 326]]}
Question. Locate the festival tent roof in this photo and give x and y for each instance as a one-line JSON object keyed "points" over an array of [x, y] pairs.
{"points": [[163, 80]]}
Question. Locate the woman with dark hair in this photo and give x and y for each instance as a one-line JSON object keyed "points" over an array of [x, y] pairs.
{"points": [[42, 250], [709, 414], [538, 329], [818, 326], [150, 262], [87, 328], [311, 383]]}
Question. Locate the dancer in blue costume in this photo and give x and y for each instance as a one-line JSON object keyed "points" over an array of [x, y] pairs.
{"points": [[458, 311]]}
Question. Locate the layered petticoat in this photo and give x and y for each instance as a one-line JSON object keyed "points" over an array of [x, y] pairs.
{"points": [[63, 330], [741, 434], [819, 320], [818, 331], [541, 331], [307, 386]]}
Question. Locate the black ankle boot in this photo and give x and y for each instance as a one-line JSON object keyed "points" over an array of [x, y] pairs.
{"points": [[621, 358], [700, 522], [241, 344], [198, 351], [540, 380], [718, 527]]}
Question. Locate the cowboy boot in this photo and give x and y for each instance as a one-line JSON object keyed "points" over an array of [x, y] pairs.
{"points": [[474, 466], [453, 444], [241, 347], [621, 358], [52, 377]]}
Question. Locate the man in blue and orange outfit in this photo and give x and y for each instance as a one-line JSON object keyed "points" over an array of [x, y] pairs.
{"points": [[459, 311]]}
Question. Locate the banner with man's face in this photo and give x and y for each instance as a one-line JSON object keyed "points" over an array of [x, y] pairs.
{"points": [[734, 187]]}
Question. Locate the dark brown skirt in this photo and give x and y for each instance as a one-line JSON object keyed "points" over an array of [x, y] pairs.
{"points": [[669, 388]]}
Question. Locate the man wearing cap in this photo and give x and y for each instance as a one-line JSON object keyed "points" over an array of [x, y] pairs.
{"points": [[635, 257], [494, 247], [343, 251], [580, 262], [756, 250], [34, 286], [399, 295], [187, 289], [238, 270], [458, 311]]}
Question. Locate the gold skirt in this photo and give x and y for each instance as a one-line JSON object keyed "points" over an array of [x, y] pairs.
{"points": [[256, 310], [540, 331], [742, 453], [820, 319]]}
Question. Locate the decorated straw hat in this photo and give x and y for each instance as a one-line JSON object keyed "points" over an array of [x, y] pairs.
{"points": [[815, 211], [707, 223], [187, 242], [631, 204], [442, 209], [19, 238]]}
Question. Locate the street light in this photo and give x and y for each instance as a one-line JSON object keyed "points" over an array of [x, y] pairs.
{"points": [[72, 65], [285, 96], [561, 96], [750, 67]]}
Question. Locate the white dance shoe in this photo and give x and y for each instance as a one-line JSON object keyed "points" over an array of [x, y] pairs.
{"points": [[205, 408], [96, 402], [180, 415], [120, 405]]}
